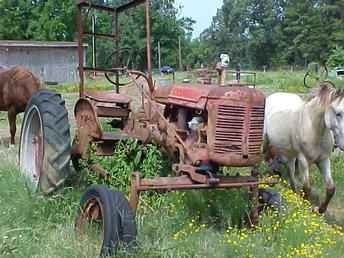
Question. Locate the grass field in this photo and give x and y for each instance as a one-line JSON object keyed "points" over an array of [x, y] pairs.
{"points": [[183, 224]]}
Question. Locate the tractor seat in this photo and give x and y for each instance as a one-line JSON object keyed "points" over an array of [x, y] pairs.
{"points": [[108, 97]]}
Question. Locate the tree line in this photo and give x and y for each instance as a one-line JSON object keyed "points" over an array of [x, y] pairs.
{"points": [[55, 20], [255, 33], [274, 33]]}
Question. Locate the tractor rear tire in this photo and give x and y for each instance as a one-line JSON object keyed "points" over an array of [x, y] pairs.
{"points": [[44, 154], [112, 209]]}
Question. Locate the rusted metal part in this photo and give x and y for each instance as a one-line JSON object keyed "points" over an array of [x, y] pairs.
{"points": [[98, 169], [201, 126], [235, 126], [114, 13], [161, 94], [106, 145], [139, 74], [254, 199], [134, 196], [235, 122], [204, 76], [102, 104], [89, 4], [181, 169], [111, 111], [86, 117], [130, 5], [81, 143], [91, 210], [195, 96], [148, 42], [38, 153], [185, 182], [254, 202], [80, 30], [108, 97]]}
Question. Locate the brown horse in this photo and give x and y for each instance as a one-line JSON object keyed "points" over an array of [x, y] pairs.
{"points": [[16, 87]]}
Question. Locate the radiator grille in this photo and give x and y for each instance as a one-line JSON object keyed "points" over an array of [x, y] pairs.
{"points": [[256, 130], [230, 130]]}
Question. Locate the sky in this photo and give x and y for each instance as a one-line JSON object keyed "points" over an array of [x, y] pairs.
{"points": [[202, 11]]}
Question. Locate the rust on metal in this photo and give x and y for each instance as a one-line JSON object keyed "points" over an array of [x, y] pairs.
{"points": [[236, 124], [201, 127], [38, 153], [86, 117], [194, 96], [98, 169], [108, 96], [91, 210], [184, 182]]}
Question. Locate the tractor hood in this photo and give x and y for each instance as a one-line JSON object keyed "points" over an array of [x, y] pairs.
{"points": [[197, 96], [186, 95]]}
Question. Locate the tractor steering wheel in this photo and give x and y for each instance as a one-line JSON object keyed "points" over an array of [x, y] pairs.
{"points": [[122, 69]]}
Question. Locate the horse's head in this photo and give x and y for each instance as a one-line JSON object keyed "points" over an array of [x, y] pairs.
{"points": [[334, 117]]}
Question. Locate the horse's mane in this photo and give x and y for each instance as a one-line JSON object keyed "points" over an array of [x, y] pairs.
{"points": [[326, 92]]}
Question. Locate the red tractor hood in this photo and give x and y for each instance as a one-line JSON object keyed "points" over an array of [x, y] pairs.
{"points": [[194, 96], [197, 96]]}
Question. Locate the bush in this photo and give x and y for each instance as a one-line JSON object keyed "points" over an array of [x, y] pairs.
{"points": [[336, 57]]}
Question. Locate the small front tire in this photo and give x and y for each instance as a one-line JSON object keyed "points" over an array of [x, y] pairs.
{"points": [[112, 211]]}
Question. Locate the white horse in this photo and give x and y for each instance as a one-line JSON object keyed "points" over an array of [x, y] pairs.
{"points": [[306, 131]]}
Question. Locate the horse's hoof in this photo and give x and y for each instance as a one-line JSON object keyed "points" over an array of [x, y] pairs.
{"points": [[319, 210], [315, 209], [322, 210]]}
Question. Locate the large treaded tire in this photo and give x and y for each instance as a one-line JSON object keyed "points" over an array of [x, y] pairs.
{"points": [[46, 111], [118, 222]]}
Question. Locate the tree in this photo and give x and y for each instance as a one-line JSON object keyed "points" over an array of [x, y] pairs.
{"points": [[336, 57], [55, 20], [263, 32]]}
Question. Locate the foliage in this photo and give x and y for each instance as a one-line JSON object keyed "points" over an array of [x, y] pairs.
{"points": [[254, 33], [265, 33], [336, 57], [182, 226], [55, 20], [39, 20], [129, 156]]}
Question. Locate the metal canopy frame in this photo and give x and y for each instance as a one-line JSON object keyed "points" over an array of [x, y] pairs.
{"points": [[115, 11]]}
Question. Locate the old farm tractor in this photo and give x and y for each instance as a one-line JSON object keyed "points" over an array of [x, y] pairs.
{"points": [[202, 127]]}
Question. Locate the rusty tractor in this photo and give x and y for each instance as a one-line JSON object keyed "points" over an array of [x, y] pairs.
{"points": [[202, 127]]}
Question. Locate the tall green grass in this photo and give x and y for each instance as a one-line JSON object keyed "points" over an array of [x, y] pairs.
{"points": [[177, 224]]}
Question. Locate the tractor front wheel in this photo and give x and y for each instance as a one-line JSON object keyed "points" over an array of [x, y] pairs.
{"points": [[109, 212]]}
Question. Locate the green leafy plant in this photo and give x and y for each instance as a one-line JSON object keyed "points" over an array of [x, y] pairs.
{"points": [[129, 156], [336, 57]]}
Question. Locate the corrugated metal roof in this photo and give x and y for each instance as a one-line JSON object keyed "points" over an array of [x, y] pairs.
{"points": [[30, 43]]}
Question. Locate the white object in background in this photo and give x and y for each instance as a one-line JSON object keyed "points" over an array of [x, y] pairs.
{"points": [[224, 60]]}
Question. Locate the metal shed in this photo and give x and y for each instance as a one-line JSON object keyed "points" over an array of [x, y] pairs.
{"points": [[51, 61]]}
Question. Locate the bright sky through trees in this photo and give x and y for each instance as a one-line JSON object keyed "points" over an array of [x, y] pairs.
{"points": [[201, 11]]}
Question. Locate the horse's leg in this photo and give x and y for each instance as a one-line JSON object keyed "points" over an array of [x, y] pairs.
{"points": [[325, 168], [12, 121], [304, 169], [292, 180]]}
